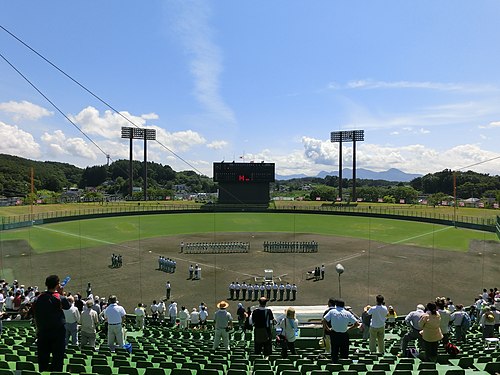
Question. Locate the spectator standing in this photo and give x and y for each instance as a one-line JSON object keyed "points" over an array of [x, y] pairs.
{"points": [[445, 319], [183, 316], [431, 332], [377, 325], [289, 327], [365, 321], [194, 318], [89, 321], [115, 315], [412, 320], [240, 313], [72, 318], [223, 322], [487, 323], [203, 316], [459, 319], [140, 315], [337, 322], [172, 312], [262, 320], [49, 321], [391, 317]]}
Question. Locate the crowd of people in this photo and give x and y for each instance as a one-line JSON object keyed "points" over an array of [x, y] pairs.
{"points": [[214, 247], [64, 318], [290, 246], [439, 322], [271, 290]]}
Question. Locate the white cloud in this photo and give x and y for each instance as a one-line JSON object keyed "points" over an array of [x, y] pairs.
{"points": [[323, 155], [24, 110], [493, 124], [369, 84], [18, 142], [178, 141], [217, 145], [59, 144], [193, 27], [110, 123]]}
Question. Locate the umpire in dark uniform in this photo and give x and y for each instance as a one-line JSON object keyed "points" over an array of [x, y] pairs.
{"points": [[49, 319]]}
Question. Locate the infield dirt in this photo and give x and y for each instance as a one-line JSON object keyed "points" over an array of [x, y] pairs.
{"points": [[405, 275]]}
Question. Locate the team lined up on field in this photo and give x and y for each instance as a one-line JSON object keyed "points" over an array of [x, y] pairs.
{"points": [[215, 247], [291, 247], [249, 292]]}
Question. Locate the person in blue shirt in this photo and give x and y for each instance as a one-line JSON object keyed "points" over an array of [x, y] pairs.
{"points": [[336, 323]]}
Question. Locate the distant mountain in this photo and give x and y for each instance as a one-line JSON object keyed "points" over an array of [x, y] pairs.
{"points": [[392, 174]]}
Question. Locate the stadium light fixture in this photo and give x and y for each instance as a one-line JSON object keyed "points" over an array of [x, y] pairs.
{"points": [[146, 135], [348, 136]]}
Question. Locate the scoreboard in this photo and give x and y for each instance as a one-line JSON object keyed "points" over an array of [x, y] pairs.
{"points": [[244, 172], [244, 183]]}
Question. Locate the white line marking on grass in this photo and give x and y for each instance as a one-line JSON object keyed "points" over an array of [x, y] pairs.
{"points": [[412, 238]]}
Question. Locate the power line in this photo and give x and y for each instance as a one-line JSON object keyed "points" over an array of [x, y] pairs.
{"points": [[52, 103], [94, 95]]}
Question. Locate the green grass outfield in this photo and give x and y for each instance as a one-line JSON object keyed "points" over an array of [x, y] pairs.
{"points": [[116, 230]]}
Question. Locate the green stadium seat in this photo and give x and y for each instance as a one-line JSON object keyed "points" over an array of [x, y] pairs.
{"points": [[181, 371], [102, 369], [490, 367], [211, 371], [376, 372], [4, 371], [77, 360], [233, 371], [154, 371], [381, 367], [404, 366], [98, 361], [262, 372], [25, 365], [4, 364], [128, 370], [75, 368], [215, 366]]}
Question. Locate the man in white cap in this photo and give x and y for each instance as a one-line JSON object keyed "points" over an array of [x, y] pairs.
{"points": [[223, 322]]}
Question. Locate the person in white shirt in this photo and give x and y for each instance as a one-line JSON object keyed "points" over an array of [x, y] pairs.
{"points": [[154, 310], [194, 318], [172, 312], [89, 320], [161, 310], [183, 316], [140, 315], [377, 325], [223, 322], [203, 314], [115, 315], [72, 317]]}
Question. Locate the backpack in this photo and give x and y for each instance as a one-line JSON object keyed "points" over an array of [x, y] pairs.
{"points": [[466, 322], [451, 349]]}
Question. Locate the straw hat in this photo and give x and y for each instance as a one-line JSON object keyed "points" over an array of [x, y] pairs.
{"points": [[222, 305]]}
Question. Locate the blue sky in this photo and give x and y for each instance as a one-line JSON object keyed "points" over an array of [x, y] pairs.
{"points": [[266, 80]]}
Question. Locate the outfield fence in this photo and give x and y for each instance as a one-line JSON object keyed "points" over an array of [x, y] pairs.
{"points": [[489, 224]]}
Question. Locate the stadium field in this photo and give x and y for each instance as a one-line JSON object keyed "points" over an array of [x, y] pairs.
{"points": [[409, 262]]}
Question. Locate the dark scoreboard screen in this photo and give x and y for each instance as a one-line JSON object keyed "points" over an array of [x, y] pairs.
{"points": [[244, 172]]}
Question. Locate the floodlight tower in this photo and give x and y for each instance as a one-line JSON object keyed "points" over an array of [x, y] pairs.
{"points": [[348, 136], [147, 135]]}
